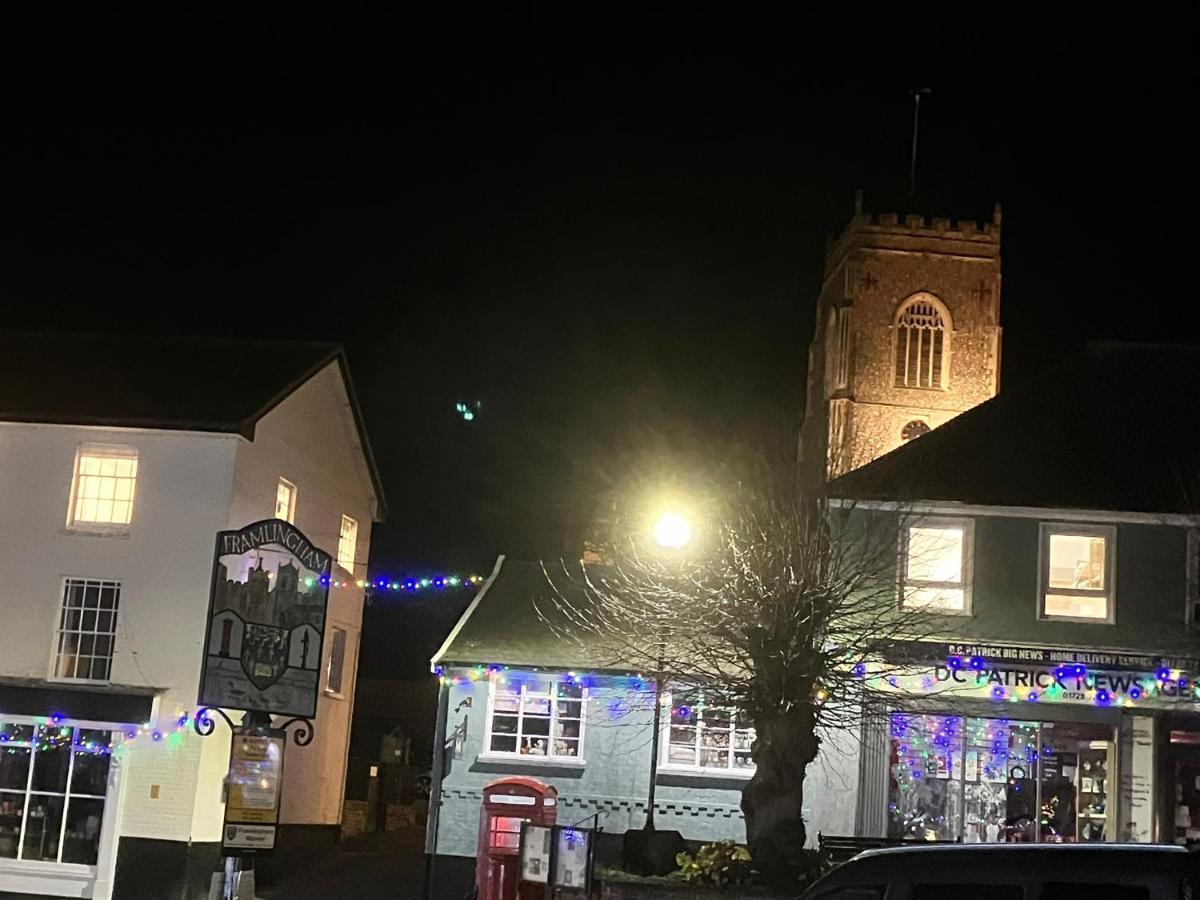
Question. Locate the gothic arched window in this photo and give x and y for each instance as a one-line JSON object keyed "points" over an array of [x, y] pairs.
{"points": [[913, 429], [922, 342]]}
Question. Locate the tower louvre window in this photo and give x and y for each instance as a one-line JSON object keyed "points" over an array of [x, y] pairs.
{"points": [[921, 335]]}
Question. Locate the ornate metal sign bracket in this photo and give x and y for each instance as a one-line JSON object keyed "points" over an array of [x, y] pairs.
{"points": [[205, 724]]}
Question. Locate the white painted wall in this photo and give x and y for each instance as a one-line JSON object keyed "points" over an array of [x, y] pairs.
{"points": [[164, 564], [310, 439]]}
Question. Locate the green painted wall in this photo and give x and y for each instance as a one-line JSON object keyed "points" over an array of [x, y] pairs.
{"points": [[1151, 582]]}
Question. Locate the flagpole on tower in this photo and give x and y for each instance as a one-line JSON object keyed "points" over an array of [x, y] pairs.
{"points": [[912, 169]]}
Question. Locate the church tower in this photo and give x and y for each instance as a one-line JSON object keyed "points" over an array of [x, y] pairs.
{"points": [[907, 336]]}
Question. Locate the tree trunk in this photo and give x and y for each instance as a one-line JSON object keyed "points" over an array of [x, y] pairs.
{"points": [[771, 801]]}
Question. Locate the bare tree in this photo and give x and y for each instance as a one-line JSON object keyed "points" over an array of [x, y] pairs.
{"points": [[783, 605]]}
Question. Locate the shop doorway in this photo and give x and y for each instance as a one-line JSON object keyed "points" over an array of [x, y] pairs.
{"points": [[990, 780]]}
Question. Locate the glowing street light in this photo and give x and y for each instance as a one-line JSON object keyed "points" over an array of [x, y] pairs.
{"points": [[672, 531]]}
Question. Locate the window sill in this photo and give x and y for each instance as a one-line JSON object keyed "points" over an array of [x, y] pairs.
{"points": [[334, 695], [1077, 620], [702, 774], [524, 759], [89, 682], [121, 532]]}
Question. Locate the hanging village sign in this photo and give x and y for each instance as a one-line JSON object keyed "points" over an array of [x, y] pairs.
{"points": [[266, 619], [262, 654]]}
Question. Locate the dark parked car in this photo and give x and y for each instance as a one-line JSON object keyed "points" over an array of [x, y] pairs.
{"points": [[1014, 872]]}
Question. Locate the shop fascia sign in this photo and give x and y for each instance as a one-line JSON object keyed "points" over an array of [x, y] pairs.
{"points": [[1033, 674]]}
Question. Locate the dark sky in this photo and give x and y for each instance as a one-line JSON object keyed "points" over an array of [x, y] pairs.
{"points": [[589, 220]]}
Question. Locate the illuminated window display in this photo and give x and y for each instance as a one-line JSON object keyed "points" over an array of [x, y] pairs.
{"points": [[998, 780]]}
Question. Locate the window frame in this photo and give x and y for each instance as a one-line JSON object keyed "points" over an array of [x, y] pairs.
{"points": [[1109, 532], [102, 451], [968, 574], [110, 800], [548, 759], [58, 631], [291, 513], [353, 543], [339, 692], [947, 331], [698, 768]]}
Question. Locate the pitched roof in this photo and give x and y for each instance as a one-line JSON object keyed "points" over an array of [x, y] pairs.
{"points": [[1116, 428], [173, 383], [513, 621]]}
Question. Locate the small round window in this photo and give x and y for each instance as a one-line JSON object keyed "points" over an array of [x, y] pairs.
{"points": [[914, 429]]}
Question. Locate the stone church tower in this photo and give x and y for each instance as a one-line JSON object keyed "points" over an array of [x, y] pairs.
{"points": [[907, 337]]}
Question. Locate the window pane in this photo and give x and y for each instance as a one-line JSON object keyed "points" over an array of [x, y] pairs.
{"points": [[935, 598], [82, 840], [91, 762], [568, 691], [11, 733], [569, 710], [53, 758], [566, 747], [12, 808], [504, 724], [506, 701], [534, 746], [1086, 607], [337, 659], [568, 728], [537, 706], [1077, 561], [539, 727], [683, 755], [14, 768], [503, 744], [42, 826], [925, 779], [935, 554]]}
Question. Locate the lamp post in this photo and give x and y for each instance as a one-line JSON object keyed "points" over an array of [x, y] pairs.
{"points": [[672, 532]]}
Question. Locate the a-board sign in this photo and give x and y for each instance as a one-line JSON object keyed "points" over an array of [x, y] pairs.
{"points": [[536, 844], [266, 619], [252, 794], [572, 855]]}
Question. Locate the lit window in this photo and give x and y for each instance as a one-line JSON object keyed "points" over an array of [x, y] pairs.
{"points": [[347, 543], [53, 785], [285, 501], [702, 737], [105, 478], [1077, 572], [532, 716], [935, 565], [337, 661], [87, 629], [921, 343]]}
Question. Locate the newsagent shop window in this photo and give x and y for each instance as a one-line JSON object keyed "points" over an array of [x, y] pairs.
{"points": [[704, 737], [53, 787], [1077, 572], [536, 716], [935, 565], [995, 780]]}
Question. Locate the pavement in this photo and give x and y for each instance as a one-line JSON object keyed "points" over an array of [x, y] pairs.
{"points": [[388, 866]]}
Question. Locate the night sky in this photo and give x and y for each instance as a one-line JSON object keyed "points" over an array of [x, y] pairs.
{"points": [[600, 223]]}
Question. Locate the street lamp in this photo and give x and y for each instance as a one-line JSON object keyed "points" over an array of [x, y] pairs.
{"points": [[672, 531]]}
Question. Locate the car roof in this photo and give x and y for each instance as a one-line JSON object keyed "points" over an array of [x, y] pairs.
{"points": [[952, 862]]}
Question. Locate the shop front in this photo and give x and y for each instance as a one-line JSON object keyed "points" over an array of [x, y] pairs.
{"points": [[1070, 748]]}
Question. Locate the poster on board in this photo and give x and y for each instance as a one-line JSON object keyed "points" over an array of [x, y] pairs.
{"points": [[536, 843], [266, 620], [252, 793]]}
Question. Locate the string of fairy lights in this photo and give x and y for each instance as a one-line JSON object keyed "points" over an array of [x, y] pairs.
{"points": [[401, 585]]}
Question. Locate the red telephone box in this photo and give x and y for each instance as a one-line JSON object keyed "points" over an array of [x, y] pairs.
{"points": [[507, 802]]}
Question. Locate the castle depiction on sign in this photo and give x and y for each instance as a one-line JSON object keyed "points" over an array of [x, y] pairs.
{"points": [[266, 617]]}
